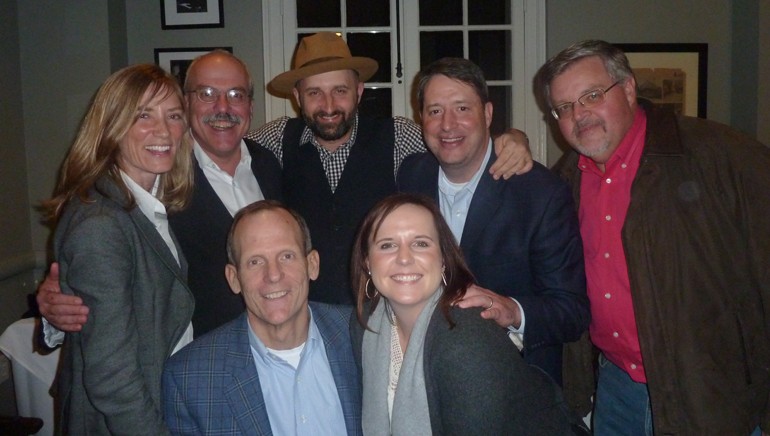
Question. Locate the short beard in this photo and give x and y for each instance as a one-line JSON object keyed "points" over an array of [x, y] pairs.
{"points": [[330, 132]]}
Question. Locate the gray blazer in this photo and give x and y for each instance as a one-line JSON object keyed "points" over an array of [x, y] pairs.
{"points": [[117, 262], [477, 383]]}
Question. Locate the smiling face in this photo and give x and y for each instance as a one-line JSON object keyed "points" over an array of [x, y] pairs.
{"points": [[219, 126], [456, 126], [273, 274], [594, 132], [149, 146], [405, 259], [329, 102]]}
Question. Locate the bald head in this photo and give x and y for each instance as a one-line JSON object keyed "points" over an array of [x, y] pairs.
{"points": [[219, 124]]}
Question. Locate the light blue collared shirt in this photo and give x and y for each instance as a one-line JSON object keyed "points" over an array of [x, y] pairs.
{"points": [[455, 198], [455, 202], [301, 401]]}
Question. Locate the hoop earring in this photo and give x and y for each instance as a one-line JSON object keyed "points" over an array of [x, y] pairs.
{"points": [[366, 290], [443, 278]]}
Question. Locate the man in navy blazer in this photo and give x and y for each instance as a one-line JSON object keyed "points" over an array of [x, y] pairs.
{"points": [[285, 366], [519, 236]]}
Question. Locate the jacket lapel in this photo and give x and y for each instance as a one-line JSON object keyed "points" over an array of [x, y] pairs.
{"points": [[244, 395], [340, 355], [486, 200]]}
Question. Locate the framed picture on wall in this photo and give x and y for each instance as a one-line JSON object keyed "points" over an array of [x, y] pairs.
{"points": [[177, 60], [191, 14], [673, 75]]}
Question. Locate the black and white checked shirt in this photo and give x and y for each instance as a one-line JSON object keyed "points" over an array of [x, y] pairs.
{"points": [[408, 140]]}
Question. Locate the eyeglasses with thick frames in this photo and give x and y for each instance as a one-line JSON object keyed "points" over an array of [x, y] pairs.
{"points": [[235, 96], [587, 100]]}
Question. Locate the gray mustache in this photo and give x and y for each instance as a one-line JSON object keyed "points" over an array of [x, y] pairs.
{"points": [[223, 116]]}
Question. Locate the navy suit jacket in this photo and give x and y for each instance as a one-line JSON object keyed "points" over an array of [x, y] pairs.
{"points": [[521, 239], [212, 385], [202, 233]]}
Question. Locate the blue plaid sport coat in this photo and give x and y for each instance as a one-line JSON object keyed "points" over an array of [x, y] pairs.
{"points": [[212, 386]]}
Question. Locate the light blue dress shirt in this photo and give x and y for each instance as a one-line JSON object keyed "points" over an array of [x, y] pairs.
{"points": [[455, 198], [301, 401]]}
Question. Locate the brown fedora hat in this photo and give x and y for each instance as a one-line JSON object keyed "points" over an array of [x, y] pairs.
{"points": [[321, 53]]}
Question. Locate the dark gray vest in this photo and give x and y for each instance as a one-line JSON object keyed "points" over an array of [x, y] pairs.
{"points": [[333, 218]]}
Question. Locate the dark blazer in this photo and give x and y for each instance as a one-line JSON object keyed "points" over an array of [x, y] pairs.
{"points": [[202, 232], [521, 239], [477, 384], [212, 385], [115, 260]]}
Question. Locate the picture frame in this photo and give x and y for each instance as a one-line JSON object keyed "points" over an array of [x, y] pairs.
{"points": [[191, 14], [674, 75], [177, 60]]}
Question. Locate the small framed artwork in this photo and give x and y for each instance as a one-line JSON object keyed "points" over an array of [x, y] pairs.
{"points": [[673, 75], [191, 14], [177, 60]]}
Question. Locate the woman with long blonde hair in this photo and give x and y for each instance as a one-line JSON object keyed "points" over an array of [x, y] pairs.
{"points": [[129, 166]]}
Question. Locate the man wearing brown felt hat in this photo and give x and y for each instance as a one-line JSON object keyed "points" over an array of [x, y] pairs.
{"points": [[338, 163]]}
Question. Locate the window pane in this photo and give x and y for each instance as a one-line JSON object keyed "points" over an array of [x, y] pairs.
{"points": [[376, 103], [436, 45], [368, 12], [375, 46], [500, 96], [318, 13], [489, 12], [441, 12], [491, 50]]}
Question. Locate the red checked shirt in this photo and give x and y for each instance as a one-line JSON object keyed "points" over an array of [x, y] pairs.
{"points": [[604, 199]]}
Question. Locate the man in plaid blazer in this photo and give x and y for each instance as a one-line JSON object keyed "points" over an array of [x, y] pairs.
{"points": [[283, 367]]}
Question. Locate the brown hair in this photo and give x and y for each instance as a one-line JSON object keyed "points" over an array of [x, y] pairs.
{"points": [[458, 276], [615, 62], [94, 153], [459, 69], [263, 206]]}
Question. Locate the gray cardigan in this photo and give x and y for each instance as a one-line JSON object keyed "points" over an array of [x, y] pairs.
{"points": [[117, 262], [477, 382]]}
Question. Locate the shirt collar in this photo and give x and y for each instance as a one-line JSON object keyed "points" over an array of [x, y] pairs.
{"points": [[450, 188], [205, 161], [309, 138], [260, 349], [150, 206], [628, 146]]}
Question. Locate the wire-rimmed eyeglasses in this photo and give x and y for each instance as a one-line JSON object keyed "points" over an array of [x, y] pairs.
{"points": [[587, 100], [235, 96]]}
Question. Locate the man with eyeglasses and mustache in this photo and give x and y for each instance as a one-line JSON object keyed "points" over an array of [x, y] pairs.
{"points": [[337, 163], [673, 213]]}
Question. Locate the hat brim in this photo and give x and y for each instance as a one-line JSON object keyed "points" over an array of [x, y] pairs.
{"points": [[284, 82]]}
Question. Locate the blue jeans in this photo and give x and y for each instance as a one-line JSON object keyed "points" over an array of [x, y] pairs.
{"points": [[622, 405]]}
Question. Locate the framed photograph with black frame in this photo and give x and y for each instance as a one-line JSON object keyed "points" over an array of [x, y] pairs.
{"points": [[177, 60], [673, 75], [191, 14]]}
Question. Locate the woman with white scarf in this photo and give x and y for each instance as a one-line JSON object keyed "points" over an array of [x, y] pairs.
{"points": [[429, 367]]}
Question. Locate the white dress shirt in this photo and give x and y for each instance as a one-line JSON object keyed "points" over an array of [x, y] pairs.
{"points": [[235, 191]]}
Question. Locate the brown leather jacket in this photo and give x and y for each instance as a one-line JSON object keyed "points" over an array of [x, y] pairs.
{"points": [[697, 243]]}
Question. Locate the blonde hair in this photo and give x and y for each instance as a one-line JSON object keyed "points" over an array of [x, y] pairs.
{"points": [[94, 153]]}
